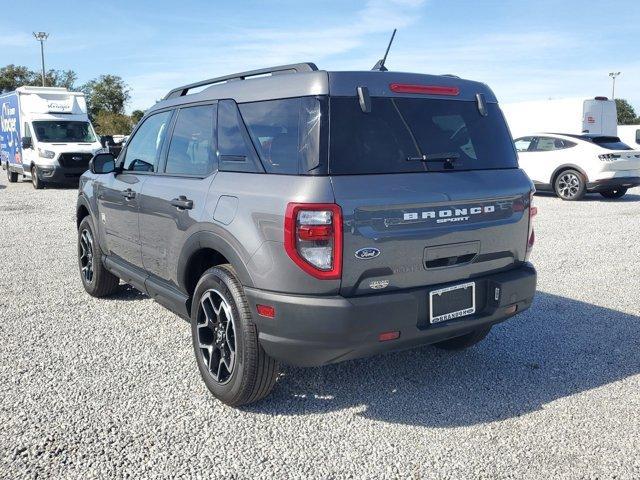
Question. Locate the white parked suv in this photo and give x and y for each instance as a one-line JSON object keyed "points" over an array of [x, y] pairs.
{"points": [[572, 165]]}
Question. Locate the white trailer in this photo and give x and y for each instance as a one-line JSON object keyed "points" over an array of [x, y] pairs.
{"points": [[45, 135], [568, 115]]}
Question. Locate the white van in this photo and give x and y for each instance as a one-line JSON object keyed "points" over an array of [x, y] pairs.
{"points": [[45, 135], [597, 116], [630, 134]]}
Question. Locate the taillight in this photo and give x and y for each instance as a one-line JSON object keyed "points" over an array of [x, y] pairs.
{"points": [[313, 238], [531, 237], [609, 157]]}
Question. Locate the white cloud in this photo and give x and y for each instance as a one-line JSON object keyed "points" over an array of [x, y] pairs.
{"points": [[16, 40]]}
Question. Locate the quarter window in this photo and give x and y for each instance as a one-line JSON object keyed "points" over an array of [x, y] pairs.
{"points": [[191, 149], [235, 148], [286, 133], [143, 150]]}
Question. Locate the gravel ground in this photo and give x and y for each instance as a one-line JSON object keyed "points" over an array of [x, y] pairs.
{"points": [[109, 388]]}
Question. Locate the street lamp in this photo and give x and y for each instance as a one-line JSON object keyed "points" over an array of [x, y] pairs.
{"points": [[613, 76], [41, 37]]}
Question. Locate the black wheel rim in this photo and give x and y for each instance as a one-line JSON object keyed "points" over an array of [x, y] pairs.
{"points": [[568, 185], [86, 255], [216, 336]]}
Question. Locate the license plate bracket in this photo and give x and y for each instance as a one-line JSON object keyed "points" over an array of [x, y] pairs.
{"points": [[452, 302]]}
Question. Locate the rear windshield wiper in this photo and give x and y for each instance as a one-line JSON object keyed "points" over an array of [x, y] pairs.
{"points": [[447, 158]]}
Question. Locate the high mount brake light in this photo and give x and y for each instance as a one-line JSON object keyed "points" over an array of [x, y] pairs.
{"points": [[313, 238], [424, 89]]}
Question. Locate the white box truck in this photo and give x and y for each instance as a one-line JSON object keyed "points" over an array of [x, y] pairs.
{"points": [[568, 115], [45, 135]]}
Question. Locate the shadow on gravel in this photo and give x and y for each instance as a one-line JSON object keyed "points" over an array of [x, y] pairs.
{"points": [[556, 349], [127, 292], [595, 197]]}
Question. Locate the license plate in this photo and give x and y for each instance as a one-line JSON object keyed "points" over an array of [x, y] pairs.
{"points": [[452, 302]]}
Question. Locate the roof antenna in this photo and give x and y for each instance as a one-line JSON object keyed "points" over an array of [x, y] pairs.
{"points": [[380, 65]]}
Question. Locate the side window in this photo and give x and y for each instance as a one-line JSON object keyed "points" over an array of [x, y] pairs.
{"points": [[523, 144], [143, 150], [285, 133], [27, 130], [234, 147], [191, 151], [545, 144], [638, 136]]}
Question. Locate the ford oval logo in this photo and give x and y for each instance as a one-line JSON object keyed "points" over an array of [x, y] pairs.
{"points": [[367, 253]]}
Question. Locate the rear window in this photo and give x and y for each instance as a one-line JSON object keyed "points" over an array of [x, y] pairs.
{"points": [[610, 143], [399, 132]]}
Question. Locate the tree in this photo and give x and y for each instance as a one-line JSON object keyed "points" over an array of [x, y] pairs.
{"points": [[109, 123], [136, 115], [14, 76], [107, 93], [626, 113]]}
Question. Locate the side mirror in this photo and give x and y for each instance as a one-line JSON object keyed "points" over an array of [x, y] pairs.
{"points": [[102, 163], [27, 142]]}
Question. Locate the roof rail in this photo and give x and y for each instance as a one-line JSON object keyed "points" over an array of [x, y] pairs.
{"points": [[293, 68]]}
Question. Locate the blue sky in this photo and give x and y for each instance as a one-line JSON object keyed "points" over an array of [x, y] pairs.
{"points": [[524, 50]]}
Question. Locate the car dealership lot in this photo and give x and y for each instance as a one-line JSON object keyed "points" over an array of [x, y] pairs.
{"points": [[109, 387]]}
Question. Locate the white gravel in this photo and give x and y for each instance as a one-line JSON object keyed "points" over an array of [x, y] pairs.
{"points": [[109, 388]]}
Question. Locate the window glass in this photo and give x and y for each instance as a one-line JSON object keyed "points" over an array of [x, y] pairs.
{"points": [[610, 143], [143, 150], [234, 146], [191, 149], [398, 132], [523, 144], [638, 136], [545, 144], [27, 130], [56, 131], [285, 133]]}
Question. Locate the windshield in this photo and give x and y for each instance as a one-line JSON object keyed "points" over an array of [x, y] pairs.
{"points": [[403, 135], [63, 131]]}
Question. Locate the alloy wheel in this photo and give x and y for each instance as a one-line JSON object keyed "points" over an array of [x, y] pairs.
{"points": [[217, 336], [568, 185], [86, 255]]}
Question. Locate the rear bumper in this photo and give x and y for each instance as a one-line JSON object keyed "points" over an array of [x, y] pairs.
{"points": [[313, 331], [613, 182], [60, 175]]}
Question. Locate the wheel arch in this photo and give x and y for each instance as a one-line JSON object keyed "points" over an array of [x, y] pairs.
{"points": [[204, 250], [83, 209], [565, 167]]}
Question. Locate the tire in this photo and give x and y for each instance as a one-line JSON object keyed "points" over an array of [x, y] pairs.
{"points": [[614, 193], [570, 185], [96, 279], [35, 180], [12, 177], [464, 341], [231, 361]]}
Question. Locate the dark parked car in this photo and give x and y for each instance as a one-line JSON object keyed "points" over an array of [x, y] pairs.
{"points": [[312, 217]]}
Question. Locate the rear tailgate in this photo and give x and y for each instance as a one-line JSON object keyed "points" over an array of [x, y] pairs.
{"points": [[431, 227]]}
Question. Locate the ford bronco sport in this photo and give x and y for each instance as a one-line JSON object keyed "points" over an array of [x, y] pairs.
{"points": [[310, 217]]}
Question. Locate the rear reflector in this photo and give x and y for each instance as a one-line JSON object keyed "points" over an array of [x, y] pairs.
{"points": [[424, 89], [266, 311], [386, 336]]}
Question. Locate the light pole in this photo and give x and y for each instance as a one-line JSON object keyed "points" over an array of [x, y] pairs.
{"points": [[613, 76], [41, 37]]}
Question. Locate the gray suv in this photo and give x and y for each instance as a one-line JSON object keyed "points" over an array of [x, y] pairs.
{"points": [[309, 217]]}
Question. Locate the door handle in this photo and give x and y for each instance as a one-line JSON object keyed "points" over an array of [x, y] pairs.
{"points": [[129, 194], [182, 203]]}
